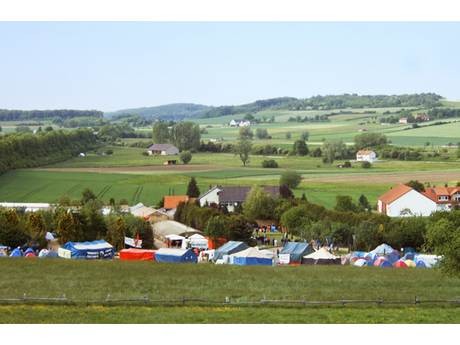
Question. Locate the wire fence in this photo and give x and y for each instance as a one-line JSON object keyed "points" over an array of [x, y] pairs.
{"points": [[190, 301]]}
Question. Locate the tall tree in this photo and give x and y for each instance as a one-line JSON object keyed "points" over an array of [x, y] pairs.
{"points": [[300, 148], [186, 136], [67, 227], [258, 204], [242, 148], [160, 133], [36, 228], [116, 230], [245, 133], [192, 189]]}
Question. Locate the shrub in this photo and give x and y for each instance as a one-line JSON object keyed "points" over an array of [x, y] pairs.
{"points": [[269, 163], [366, 165], [290, 178], [185, 157]]}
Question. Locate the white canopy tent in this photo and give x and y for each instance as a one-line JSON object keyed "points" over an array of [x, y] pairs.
{"points": [[321, 256]]}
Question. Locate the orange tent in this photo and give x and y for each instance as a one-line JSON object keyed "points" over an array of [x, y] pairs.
{"points": [[137, 254]]}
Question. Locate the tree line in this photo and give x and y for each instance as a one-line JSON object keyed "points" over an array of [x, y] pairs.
{"points": [[20, 115], [184, 135], [26, 150]]}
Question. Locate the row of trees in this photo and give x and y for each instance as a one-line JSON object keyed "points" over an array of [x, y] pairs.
{"points": [[25, 150], [184, 135], [85, 223]]}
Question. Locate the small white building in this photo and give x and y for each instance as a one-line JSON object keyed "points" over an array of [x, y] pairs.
{"points": [[366, 156], [233, 123], [404, 201], [403, 120], [244, 123]]}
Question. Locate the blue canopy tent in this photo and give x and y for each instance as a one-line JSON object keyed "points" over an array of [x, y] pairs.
{"points": [[228, 248], [172, 255], [297, 250], [90, 250]]}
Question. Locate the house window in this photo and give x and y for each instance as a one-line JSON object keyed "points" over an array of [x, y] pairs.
{"points": [[443, 198]]}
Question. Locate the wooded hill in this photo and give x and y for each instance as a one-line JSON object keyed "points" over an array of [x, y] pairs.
{"points": [[181, 111], [21, 115]]}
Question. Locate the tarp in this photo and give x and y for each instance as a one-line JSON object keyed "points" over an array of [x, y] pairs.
{"points": [[229, 248], [137, 254], [90, 250], [296, 250], [252, 256], [321, 257], [175, 255]]}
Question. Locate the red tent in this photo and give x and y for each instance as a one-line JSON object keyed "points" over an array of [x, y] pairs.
{"points": [[137, 254], [400, 264]]}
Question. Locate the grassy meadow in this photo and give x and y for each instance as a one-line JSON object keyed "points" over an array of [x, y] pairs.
{"points": [[92, 281]]}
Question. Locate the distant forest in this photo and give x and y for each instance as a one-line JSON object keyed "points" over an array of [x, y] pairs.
{"points": [[21, 115]]}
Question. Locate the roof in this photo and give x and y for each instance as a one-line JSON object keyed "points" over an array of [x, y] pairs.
{"points": [[364, 152], [171, 227], [239, 193], [161, 147], [434, 192], [171, 201], [172, 251], [139, 210], [252, 252], [395, 193]]}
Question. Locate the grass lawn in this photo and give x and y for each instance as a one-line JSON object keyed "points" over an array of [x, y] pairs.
{"points": [[85, 281]]}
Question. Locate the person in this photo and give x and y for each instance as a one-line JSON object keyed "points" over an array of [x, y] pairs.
{"points": [[275, 242]]}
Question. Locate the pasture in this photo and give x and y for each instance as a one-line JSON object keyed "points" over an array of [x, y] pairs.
{"points": [[91, 282]]}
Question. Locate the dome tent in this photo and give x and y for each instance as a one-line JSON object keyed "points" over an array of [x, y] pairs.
{"points": [[17, 252], [360, 263], [382, 262], [400, 264]]}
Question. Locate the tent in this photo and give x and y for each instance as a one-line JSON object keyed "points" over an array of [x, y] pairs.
{"points": [[360, 263], [229, 248], [382, 262], [252, 256], [400, 264], [89, 250], [321, 257], [410, 263], [420, 264], [296, 250], [428, 260], [198, 241], [175, 255], [137, 254], [17, 252], [29, 253], [383, 249]]}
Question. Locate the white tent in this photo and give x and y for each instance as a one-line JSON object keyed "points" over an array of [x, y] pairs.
{"points": [[198, 241], [173, 237], [252, 256], [321, 256]]}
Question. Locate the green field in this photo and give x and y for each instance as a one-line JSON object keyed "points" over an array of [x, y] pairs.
{"points": [[87, 285]]}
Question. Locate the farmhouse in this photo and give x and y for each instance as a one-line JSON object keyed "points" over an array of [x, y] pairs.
{"points": [[403, 120], [405, 201], [231, 196], [163, 149], [366, 156]]}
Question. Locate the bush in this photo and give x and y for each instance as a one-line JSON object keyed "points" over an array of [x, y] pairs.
{"points": [[290, 178], [269, 163], [346, 164], [185, 157], [366, 165]]}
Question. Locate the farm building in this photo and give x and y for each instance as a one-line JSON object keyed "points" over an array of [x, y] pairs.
{"points": [[163, 150], [403, 120], [165, 228], [232, 196], [139, 210], [26, 206], [366, 156]]}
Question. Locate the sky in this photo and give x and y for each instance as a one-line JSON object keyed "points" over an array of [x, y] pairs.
{"points": [[117, 65]]}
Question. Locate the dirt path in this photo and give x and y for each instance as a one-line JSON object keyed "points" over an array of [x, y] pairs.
{"points": [[396, 177], [136, 169]]}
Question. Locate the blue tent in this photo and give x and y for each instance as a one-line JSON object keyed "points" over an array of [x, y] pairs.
{"points": [[296, 250], [90, 250], [175, 255], [17, 252], [251, 256], [228, 248]]}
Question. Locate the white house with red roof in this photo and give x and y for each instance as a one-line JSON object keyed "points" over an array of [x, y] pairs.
{"points": [[403, 201]]}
